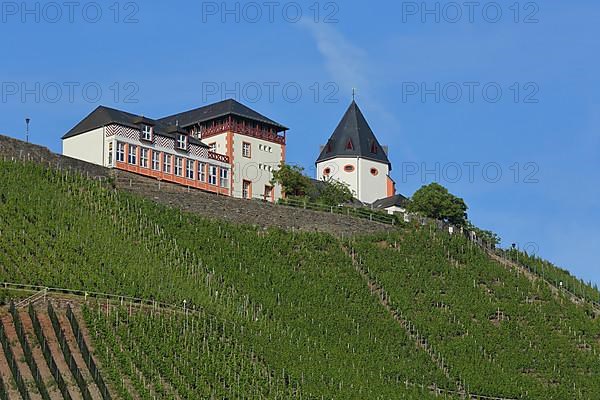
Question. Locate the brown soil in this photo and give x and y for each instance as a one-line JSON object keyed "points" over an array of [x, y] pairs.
{"points": [[13, 393], [57, 353], [39, 357], [9, 328], [72, 342]]}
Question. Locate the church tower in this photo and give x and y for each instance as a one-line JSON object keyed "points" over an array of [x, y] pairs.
{"points": [[354, 156]]}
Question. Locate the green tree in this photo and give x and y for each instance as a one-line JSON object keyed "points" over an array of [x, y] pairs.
{"points": [[486, 235], [292, 180], [333, 193], [435, 201]]}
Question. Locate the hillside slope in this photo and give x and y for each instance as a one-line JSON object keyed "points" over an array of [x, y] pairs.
{"points": [[275, 314]]}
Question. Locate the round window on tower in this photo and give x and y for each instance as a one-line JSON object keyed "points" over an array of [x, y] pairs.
{"points": [[349, 168], [374, 171], [327, 171]]}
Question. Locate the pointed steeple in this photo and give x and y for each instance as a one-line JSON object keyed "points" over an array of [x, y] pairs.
{"points": [[353, 137]]}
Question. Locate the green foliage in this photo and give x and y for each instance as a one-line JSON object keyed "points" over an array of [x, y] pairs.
{"points": [[487, 236], [288, 306], [285, 315], [500, 332], [555, 275], [292, 180], [434, 201], [334, 193]]}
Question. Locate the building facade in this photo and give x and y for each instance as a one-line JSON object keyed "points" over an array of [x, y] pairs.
{"points": [[353, 156], [224, 148], [254, 144]]}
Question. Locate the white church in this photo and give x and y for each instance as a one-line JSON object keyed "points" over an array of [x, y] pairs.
{"points": [[354, 156]]}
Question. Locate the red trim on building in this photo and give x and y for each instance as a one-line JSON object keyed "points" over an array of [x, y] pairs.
{"points": [[243, 129], [391, 187], [170, 177], [230, 154]]}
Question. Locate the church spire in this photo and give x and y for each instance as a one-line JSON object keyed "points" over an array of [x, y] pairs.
{"points": [[353, 137]]}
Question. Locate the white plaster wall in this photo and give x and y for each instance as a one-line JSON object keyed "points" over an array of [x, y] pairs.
{"points": [[220, 140], [259, 167], [250, 168], [372, 188], [366, 187], [338, 173], [88, 147]]}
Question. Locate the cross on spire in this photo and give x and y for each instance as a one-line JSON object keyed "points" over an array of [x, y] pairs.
{"points": [[353, 93]]}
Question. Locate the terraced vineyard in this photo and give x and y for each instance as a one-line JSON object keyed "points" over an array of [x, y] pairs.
{"points": [[485, 320], [42, 355], [244, 312]]}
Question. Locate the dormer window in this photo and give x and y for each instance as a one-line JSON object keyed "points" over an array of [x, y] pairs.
{"points": [[349, 145], [373, 148], [147, 133], [181, 141]]}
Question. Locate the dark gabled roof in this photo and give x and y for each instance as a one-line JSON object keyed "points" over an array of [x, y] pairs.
{"points": [[103, 116], [216, 110], [395, 200], [353, 137]]}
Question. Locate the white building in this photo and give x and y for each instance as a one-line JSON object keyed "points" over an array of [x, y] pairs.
{"points": [[354, 156], [225, 148]]}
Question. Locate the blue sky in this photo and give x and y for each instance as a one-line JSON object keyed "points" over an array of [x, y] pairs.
{"points": [[460, 95]]}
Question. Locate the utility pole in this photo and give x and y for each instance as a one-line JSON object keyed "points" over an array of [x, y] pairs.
{"points": [[27, 120]]}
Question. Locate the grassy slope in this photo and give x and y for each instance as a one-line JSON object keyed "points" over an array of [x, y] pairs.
{"points": [[294, 302], [501, 332]]}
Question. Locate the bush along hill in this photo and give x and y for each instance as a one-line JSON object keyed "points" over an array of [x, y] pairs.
{"points": [[266, 313]]}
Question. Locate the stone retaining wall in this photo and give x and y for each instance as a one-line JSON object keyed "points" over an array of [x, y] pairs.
{"points": [[249, 212]]}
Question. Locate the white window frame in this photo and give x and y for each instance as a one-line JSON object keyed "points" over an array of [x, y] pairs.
{"points": [[147, 132], [120, 152], [144, 157], [212, 174], [212, 147], [246, 189], [110, 153], [132, 155], [179, 166], [246, 149], [224, 178], [155, 160], [182, 141], [167, 160], [201, 171], [189, 169]]}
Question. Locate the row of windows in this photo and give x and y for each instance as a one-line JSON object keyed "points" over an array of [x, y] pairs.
{"points": [[194, 170], [266, 148], [265, 167], [350, 168]]}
